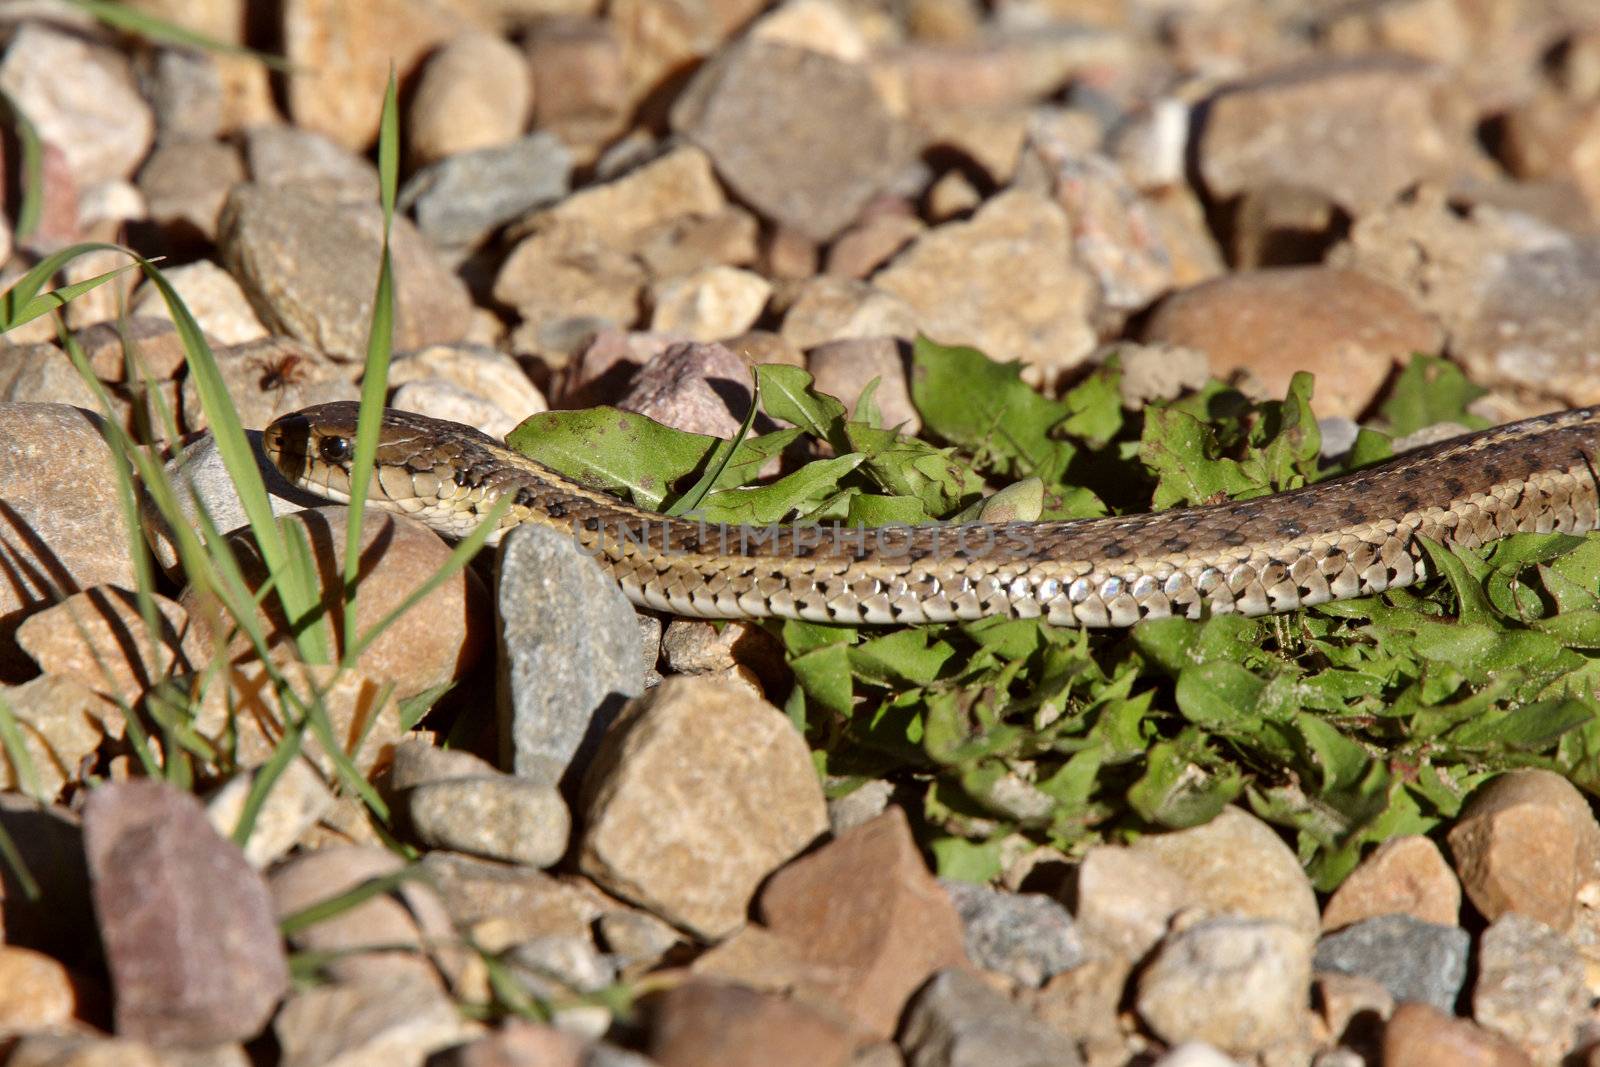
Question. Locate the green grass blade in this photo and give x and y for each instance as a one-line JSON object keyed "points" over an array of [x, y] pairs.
{"points": [[719, 458], [131, 20], [24, 302], [31, 205], [16, 748], [323, 910]]}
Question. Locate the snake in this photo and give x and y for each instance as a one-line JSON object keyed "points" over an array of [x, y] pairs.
{"points": [[1348, 536]]}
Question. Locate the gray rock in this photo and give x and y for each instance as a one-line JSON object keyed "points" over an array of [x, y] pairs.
{"points": [[460, 200], [1025, 935], [190, 936], [499, 817], [184, 86], [1530, 986], [395, 1020], [958, 1021], [1412, 959], [557, 966], [291, 155], [570, 654]]}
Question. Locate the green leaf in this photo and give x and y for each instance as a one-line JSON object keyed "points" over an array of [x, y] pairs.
{"points": [[1427, 391], [789, 494], [614, 450], [1177, 793], [961, 860], [787, 395]]}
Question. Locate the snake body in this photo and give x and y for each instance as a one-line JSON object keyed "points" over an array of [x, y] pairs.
{"points": [[1349, 536]]}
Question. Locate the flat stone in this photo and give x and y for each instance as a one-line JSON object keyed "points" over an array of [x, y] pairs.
{"points": [[569, 654], [392, 1021], [405, 932], [839, 145], [693, 243], [885, 935], [42, 374], [1237, 863], [190, 937], [505, 905], [309, 162], [1531, 987], [1027, 936], [437, 641], [482, 371], [472, 93], [185, 184], [1424, 1036], [184, 89], [555, 966], [567, 285], [310, 268], [98, 637], [709, 304], [499, 817], [339, 57], [1404, 875], [698, 388], [871, 243], [62, 722], [1526, 842], [958, 279], [62, 527], [711, 1024], [1413, 959], [151, 343], [1348, 329], [827, 308], [215, 300], [81, 98], [580, 90], [1301, 125], [676, 185], [699, 791], [1239, 984], [460, 200], [956, 1020]]}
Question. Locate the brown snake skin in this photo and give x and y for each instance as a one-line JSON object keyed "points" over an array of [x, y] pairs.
{"points": [[1346, 537]]}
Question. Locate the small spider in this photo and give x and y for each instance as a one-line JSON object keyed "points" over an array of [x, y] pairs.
{"points": [[280, 371]]}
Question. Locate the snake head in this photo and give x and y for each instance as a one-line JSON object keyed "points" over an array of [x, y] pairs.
{"points": [[312, 448]]}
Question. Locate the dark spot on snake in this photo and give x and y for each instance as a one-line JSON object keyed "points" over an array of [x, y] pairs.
{"points": [[557, 511], [460, 478], [691, 544], [803, 551], [1175, 544], [1492, 471], [524, 498], [1407, 500], [1113, 550], [591, 524], [917, 554], [1352, 514], [1455, 487], [1290, 528], [1232, 538]]}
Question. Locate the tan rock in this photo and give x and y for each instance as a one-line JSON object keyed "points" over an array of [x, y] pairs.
{"points": [[660, 37], [701, 388], [186, 183], [367, 1021], [676, 185], [866, 904], [959, 280], [698, 792], [580, 85], [694, 243], [703, 1023], [709, 304], [1526, 842], [151, 343], [563, 273], [1530, 987], [472, 93], [98, 637], [215, 300], [831, 309], [1419, 1035], [1346, 328], [845, 368], [1405, 875], [36, 992], [872, 242], [1125, 898]]}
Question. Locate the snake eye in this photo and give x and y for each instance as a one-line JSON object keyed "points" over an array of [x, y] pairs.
{"points": [[334, 449]]}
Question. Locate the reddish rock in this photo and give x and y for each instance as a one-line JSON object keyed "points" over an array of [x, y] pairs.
{"points": [[710, 1024], [1346, 328], [1527, 842], [190, 936], [690, 387], [867, 904], [1418, 1035], [1405, 875]]}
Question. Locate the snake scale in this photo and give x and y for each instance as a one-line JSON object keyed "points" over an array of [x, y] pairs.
{"points": [[1345, 537]]}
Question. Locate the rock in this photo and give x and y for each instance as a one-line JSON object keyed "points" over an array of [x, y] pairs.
{"points": [[441, 399], [489, 374], [698, 792], [42, 374], [710, 1024], [699, 388], [1161, 372], [1005, 70], [557, 966], [1026, 936], [709, 304], [673, 186], [1550, 136], [472, 93], [395, 1020], [1346, 328], [499, 817], [437, 641], [404, 933], [1424, 1036], [86, 1050], [1086, 1004], [1299, 125], [956, 277], [862, 804], [102, 303], [696, 243], [184, 89], [696, 646], [1526, 842], [151, 343], [1351, 1006], [518, 1044], [580, 90], [36, 992], [309, 268], [1199, 1054], [819, 25], [839, 144], [569, 654], [831, 309], [567, 286], [1404, 875], [215, 300], [605, 367], [958, 1021], [340, 56], [658, 39], [460, 200], [1240, 984], [1530, 987], [62, 526], [81, 98], [293, 804], [62, 723], [1237, 863], [872, 242], [503, 905], [844, 368], [1413, 959], [310, 164], [194, 954], [185, 184], [884, 936], [98, 638], [636, 938], [199, 478]]}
